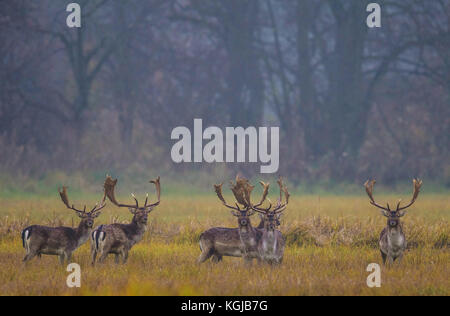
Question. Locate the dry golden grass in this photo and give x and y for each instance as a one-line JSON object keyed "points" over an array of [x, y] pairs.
{"points": [[331, 240]]}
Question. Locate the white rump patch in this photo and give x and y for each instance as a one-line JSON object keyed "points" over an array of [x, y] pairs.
{"points": [[27, 240]]}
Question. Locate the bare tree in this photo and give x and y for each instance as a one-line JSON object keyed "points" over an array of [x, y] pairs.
{"points": [[87, 49], [234, 24], [135, 21], [329, 88]]}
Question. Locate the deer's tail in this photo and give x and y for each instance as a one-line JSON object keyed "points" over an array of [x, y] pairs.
{"points": [[98, 236], [26, 234]]}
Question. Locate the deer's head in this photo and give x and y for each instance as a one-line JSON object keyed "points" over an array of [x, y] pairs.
{"points": [[244, 208], [271, 216], [140, 213], [393, 215], [87, 218], [271, 221], [241, 190]]}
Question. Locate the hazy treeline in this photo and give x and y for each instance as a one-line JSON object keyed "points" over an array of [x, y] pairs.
{"points": [[351, 101]]}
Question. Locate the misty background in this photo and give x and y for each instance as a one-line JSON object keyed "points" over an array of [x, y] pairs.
{"points": [[351, 102]]}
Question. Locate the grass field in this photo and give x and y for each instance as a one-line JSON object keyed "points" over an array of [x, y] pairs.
{"points": [[330, 242]]}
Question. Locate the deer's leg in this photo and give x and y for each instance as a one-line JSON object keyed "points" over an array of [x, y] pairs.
{"points": [[61, 259], [383, 256], [103, 256], [216, 258], [116, 258], [400, 258], [125, 256], [103, 252], [390, 260], [31, 252], [93, 251], [248, 260], [68, 256], [272, 262], [93, 255], [29, 256], [205, 255], [207, 250], [26, 258]]}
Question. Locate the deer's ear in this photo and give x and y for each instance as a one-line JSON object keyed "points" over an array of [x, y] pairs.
{"points": [[96, 215], [278, 218], [234, 213], [384, 213], [81, 215], [132, 210], [401, 213], [149, 209]]}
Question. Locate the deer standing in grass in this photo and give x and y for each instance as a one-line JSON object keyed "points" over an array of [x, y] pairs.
{"points": [[234, 242], [392, 239], [118, 239], [263, 220], [271, 244], [60, 241]]}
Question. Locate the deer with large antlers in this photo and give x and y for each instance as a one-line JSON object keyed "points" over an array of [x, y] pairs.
{"points": [[271, 244], [60, 241], [392, 239], [118, 239], [234, 242]]}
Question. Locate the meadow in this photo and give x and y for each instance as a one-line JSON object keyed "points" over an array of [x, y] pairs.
{"points": [[330, 242]]}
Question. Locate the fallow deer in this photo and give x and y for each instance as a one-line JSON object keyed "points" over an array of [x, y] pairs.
{"points": [[118, 239], [60, 241], [262, 221], [271, 244], [392, 240], [234, 242]]}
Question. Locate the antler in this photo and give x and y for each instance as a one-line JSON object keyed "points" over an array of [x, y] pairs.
{"points": [[417, 183], [157, 184], [241, 190], [279, 207], [99, 206], [265, 192], [110, 185], [369, 189], [218, 189], [283, 189], [63, 194]]}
